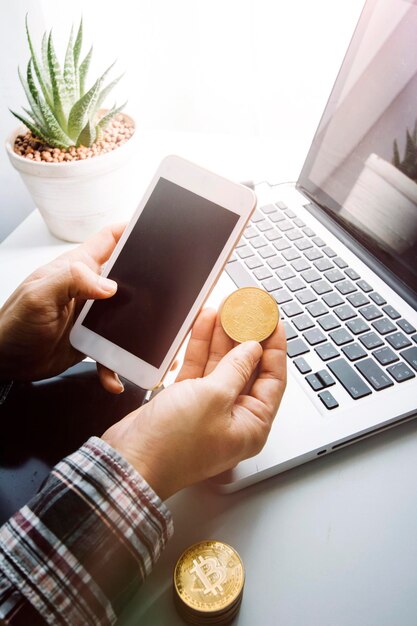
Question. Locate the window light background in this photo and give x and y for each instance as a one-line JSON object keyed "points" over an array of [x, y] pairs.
{"points": [[252, 73]]}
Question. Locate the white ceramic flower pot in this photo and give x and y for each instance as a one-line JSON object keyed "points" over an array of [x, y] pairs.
{"points": [[77, 198]]}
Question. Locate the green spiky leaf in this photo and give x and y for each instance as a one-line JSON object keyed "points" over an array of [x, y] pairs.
{"points": [[105, 92], [69, 71], [82, 71], [78, 114], [29, 90], [38, 70], [36, 132], [58, 86], [109, 116], [56, 136], [87, 136]]}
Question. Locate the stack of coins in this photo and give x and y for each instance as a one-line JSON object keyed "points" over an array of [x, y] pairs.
{"points": [[208, 583], [249, 313]]}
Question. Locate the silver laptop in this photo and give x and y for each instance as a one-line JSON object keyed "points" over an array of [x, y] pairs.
{"points": [[338, 252]]}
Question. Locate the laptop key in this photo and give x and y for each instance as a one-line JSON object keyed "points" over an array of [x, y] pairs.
{"points": [[276, 218], [244, 251], [240, 275], [370, 312], [329, 251], [285, 225], [332, 299], [384, 326], [354, 351], [302, 365], [406, 326], [290, 333], [272, 235], [297, 347], [327, 351], [281, 205], [290, 213], [377, 298], [385, 355], [345, 287], [281, 296], [271, 284], [325, 378], [319, 242], [344, 312], [311, 275], [391, 312], [262, 272], [309, 232], [401, 372], [371, 340], [285, 273], [295, 284], [303, 244], [350, 380], [374, 374], [264, 226], [275, 262], [328, 322], [281, 244], [341, 336], [398, 341], [340, 262], [314, 336], [291, 308], [366, 287], [266, 252], [321, 287], [328, 400], [334, 275], [357, 299], [302, 322], [291, 254], [414, 338], [268, 208], [410, 355], [299, 222], [258, 242], [316, 309], [357, 326], [257, 216], [305, 296], [313, 254], [353, 275], [323, 264], [294, 234], [253, 262], [300, 265], [314, 382]]}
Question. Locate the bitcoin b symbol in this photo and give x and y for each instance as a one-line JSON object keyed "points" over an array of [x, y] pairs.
{"points": [[210, 574]]}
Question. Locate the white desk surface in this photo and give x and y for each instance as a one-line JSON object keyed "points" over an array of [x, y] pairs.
{"points": [[330, 543]]}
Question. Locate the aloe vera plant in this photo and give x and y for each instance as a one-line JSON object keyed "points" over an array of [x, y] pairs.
{"points": [[407, 165], [62, 113]]}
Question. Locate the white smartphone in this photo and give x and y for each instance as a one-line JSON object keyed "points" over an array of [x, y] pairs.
{"points": [[165, 264]]}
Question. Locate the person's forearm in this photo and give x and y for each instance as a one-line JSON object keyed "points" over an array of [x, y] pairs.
{"points": [[78, 550]]}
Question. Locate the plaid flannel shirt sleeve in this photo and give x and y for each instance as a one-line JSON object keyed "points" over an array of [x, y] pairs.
{"points": [[80, 548]]}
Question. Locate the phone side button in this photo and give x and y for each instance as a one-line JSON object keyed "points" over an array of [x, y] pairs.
{"points": [[240, 275]]}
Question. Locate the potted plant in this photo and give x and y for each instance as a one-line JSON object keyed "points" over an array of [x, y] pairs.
{"points": [[71, 153], [382, 192]]}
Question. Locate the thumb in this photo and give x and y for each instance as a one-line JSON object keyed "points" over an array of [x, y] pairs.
{"points": [[236, 368], [79, 281]]}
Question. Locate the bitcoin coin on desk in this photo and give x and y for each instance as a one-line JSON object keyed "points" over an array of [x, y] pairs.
{"points": [[208, 583], [249, 313]]}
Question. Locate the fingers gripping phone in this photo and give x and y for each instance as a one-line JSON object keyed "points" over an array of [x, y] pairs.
{"points": [[165, 264]]}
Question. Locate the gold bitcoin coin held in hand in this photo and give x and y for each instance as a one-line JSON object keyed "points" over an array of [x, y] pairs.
{"points": [[208, 583], [249, 313]]}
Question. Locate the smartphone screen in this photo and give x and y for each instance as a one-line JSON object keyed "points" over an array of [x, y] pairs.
{"points": [[160, 271]]}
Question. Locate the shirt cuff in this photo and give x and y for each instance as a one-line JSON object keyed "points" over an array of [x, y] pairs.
{"points": [[81, 547]]}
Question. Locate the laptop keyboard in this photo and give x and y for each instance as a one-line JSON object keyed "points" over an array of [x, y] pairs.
{"points": [[363, 342]]}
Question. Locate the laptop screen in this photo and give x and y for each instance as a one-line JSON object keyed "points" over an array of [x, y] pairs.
{"points": [[362, 165]]}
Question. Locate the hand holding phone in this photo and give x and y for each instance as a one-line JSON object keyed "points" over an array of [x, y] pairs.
{"points": [[166, 263]]}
